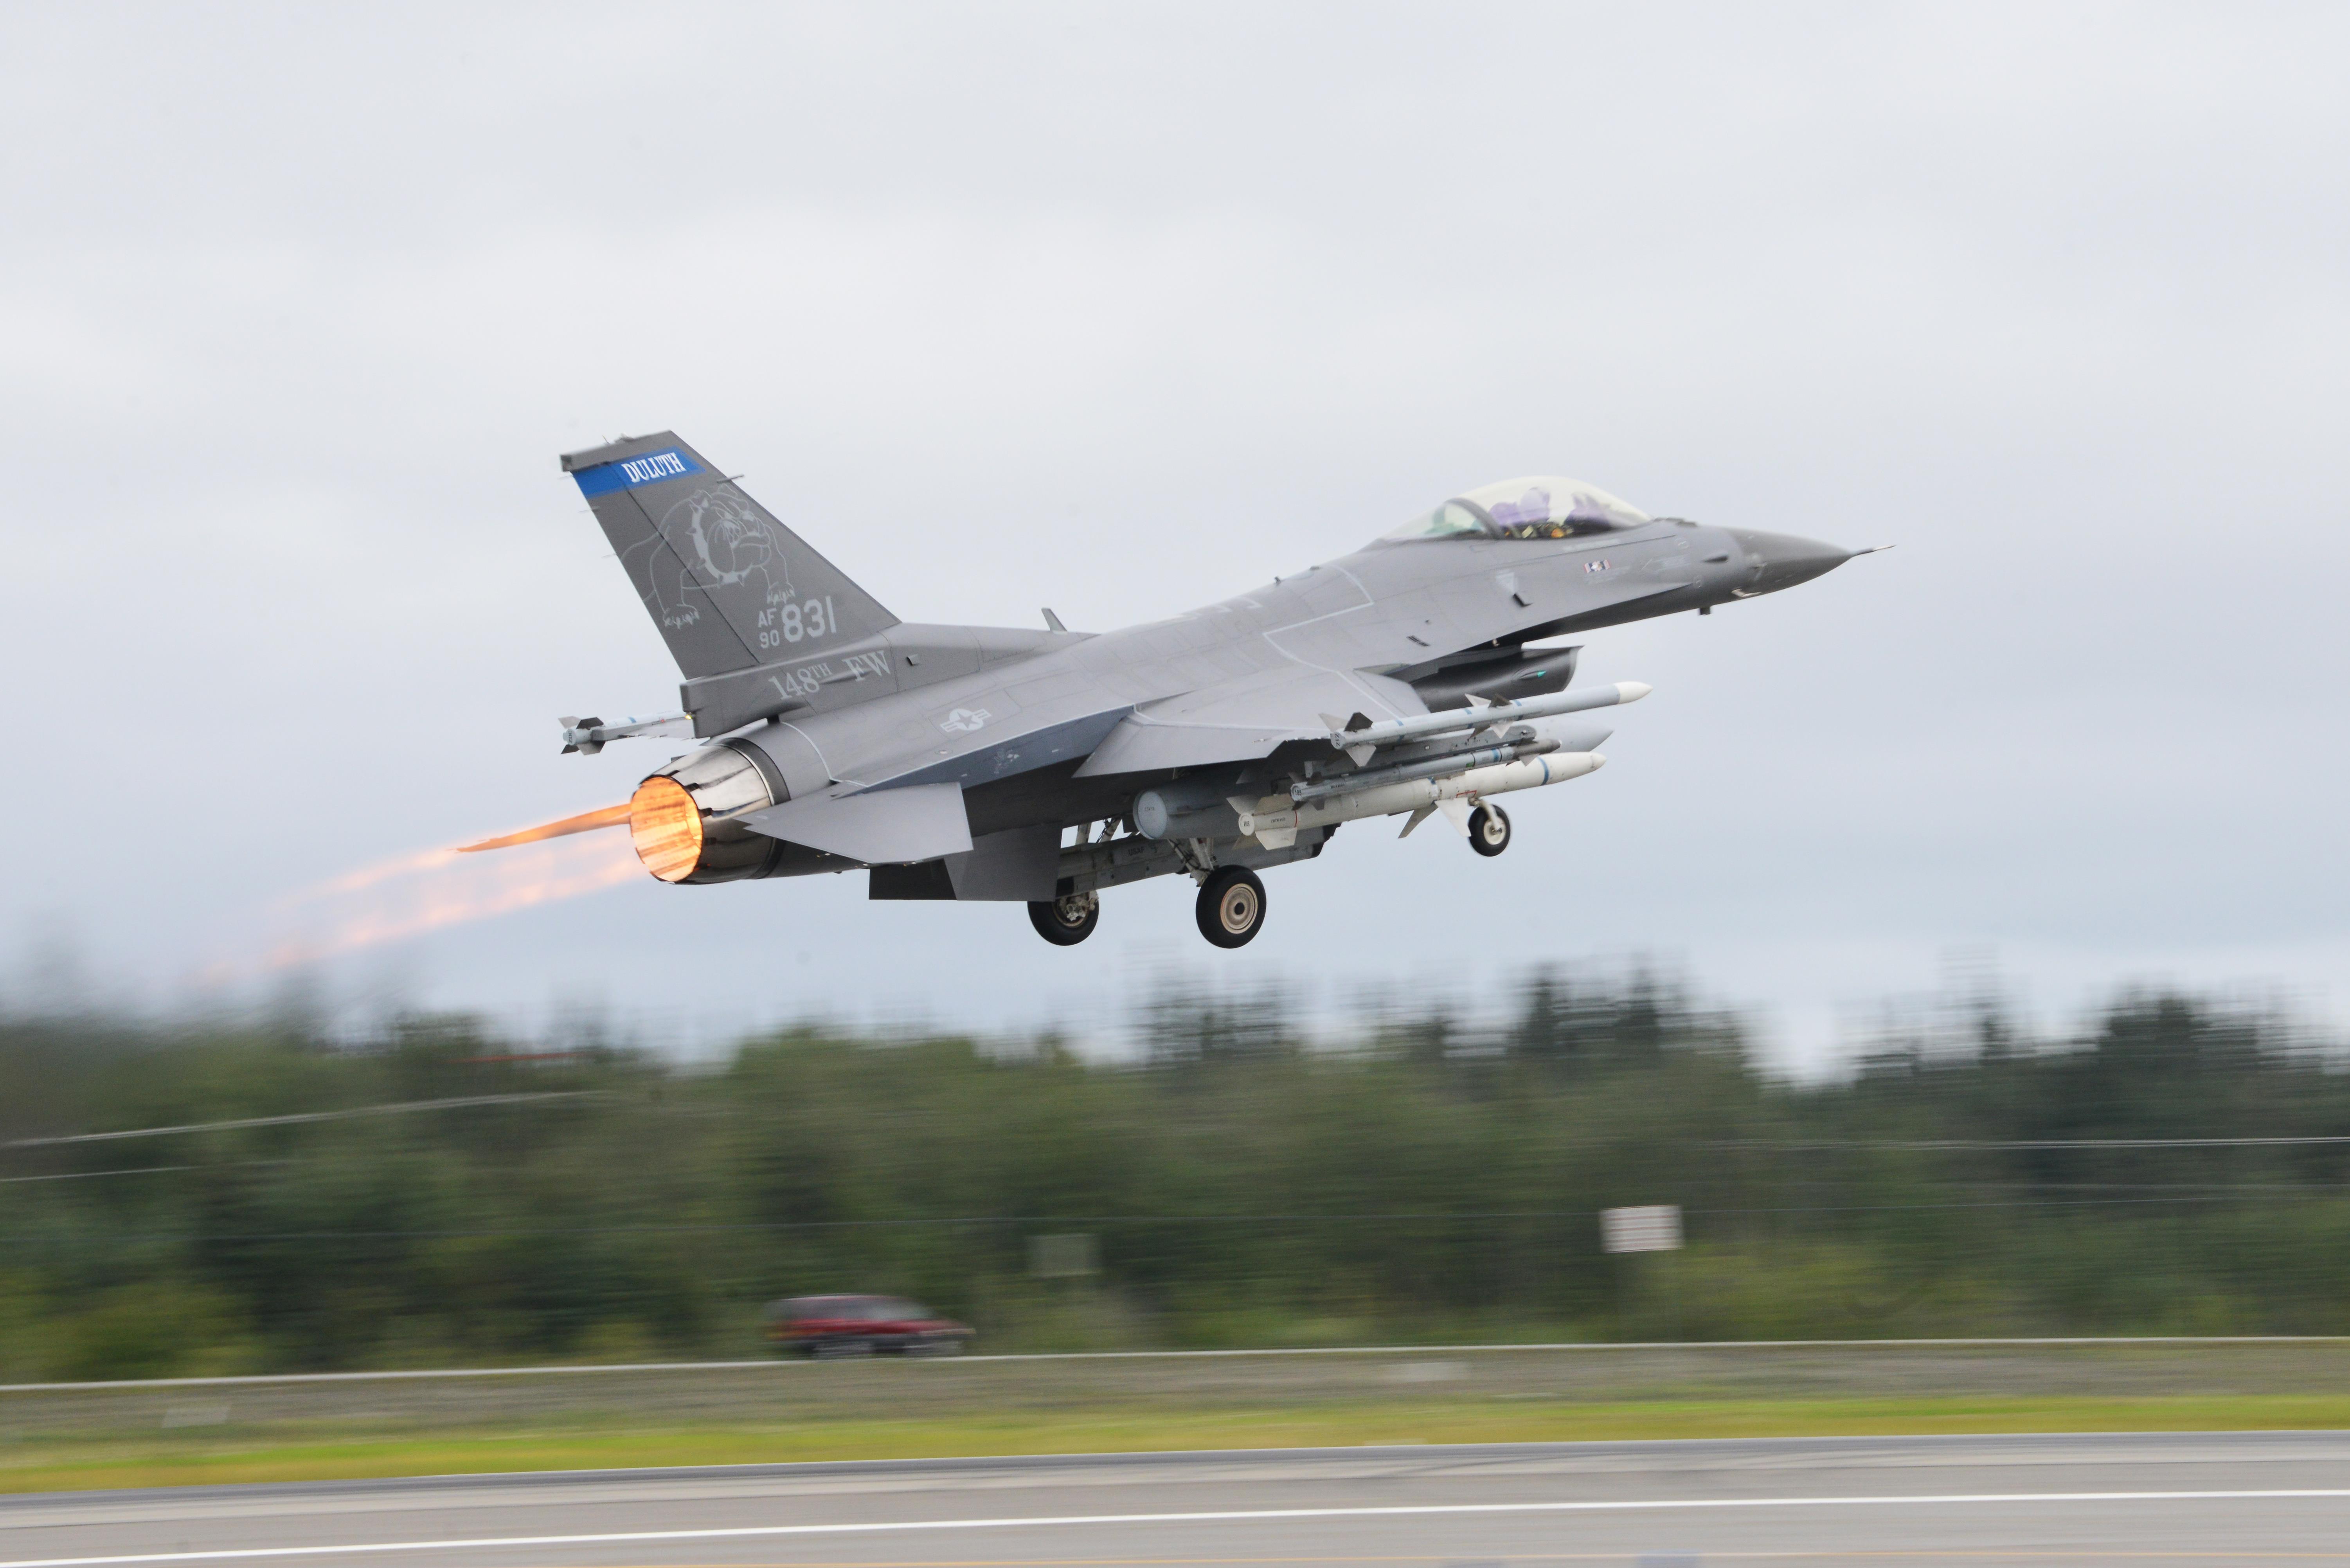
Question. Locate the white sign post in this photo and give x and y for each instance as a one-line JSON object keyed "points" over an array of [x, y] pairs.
{"points": [[1063, 1257], [1652, 1227], [1656, 1228]]}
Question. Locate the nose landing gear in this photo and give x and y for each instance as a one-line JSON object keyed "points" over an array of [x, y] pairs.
{"points": [[1488, 830]]}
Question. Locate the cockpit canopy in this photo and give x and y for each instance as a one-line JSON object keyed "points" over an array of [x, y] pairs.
{"points": [[1542, 507]]}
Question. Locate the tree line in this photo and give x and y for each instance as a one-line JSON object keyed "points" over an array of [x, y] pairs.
{"points": [[436, 1194]]}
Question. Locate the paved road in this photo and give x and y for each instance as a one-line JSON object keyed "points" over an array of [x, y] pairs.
{"points": [[2204, 1498]]}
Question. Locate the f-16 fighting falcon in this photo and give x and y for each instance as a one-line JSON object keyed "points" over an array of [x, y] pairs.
{"points": [[1409, 679]]}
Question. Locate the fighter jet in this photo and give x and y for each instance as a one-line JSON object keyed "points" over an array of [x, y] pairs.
{"points": [[1419, 676]]}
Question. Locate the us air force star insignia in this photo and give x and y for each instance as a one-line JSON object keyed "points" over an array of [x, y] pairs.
{"points": [[965, 721]]}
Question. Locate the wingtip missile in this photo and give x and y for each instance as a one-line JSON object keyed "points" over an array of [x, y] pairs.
{"points": [[590, 736]]}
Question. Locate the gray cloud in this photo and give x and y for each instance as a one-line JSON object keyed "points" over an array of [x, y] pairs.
{"points": [[1122, 310]]}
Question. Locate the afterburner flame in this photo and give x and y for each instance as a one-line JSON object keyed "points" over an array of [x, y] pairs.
{"points": [[665, 824], [586, 822], [417, 894], [410, 895], [368, 876]]}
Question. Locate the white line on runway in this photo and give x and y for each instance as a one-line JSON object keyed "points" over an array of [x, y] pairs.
{"points": [[510, 1542]]}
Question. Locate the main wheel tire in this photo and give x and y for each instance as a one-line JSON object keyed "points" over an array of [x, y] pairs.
{"points": [[1066, 922], [1488, 830], [1232, 906]]}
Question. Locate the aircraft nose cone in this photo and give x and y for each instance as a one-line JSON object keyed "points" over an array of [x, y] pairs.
{"points": [[1782, 560]]}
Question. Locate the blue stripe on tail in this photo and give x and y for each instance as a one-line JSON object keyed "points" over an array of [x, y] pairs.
{"points": [[649, 468]]}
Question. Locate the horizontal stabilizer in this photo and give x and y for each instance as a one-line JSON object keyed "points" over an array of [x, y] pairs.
{"points": [[880, 827]]}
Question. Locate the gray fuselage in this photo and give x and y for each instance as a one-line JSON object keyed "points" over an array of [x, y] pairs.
{"points": [[1014, 736]]}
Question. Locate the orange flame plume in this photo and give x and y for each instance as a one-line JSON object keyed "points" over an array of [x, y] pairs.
{"points": [[410, 895], [586, 822]]}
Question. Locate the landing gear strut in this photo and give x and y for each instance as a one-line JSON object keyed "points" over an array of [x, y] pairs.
{"points": [[1488, 830], [1232, 906], [1066, 922]]}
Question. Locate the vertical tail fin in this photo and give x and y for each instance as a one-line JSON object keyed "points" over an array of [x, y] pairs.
{"points": [[728, 585]]}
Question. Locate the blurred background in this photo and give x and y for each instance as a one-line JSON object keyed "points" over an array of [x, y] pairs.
{"points": [[2024, 834], [439, 1195]]}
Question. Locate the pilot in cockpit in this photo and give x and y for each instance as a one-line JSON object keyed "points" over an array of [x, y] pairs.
{"points": [[1539, 508]]}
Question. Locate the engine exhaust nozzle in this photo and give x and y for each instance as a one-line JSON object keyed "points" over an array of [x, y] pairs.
{"points": [[678, 819]]}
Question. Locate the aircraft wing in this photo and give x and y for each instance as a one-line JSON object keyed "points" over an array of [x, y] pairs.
{"points": [[1240, 721]]}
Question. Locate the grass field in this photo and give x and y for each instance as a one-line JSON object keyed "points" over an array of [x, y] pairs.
{"points": [[222, 1455]]}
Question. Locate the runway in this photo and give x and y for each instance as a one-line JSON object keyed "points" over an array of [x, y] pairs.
{"points": [[2168, 1498]]}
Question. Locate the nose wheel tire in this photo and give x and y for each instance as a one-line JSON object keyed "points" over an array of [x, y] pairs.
{"points": [[1232, 906], [1488, 830], [1066, 922]]}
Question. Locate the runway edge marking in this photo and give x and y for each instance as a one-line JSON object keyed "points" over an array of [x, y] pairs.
{"points": [[1225, 1516]]}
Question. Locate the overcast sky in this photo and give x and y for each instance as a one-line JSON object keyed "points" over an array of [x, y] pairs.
{"points": [[1121, 309]]}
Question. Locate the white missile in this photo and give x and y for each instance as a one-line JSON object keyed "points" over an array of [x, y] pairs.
{"points": [[1275, 821], [1509, 750], [589, 736], [1390, 732]]}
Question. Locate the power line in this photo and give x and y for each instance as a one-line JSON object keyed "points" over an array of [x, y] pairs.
{"points": [[1924, 1145], [87, 1175], [1108, 1220], [398, 1108]]}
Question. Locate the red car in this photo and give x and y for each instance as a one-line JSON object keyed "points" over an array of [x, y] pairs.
{"points": [[861, 1325]]}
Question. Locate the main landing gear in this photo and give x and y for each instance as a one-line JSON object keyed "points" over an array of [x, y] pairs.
{"points": [[1231, 911], [1488, 830], [1232, 906], [1066, 922]]}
